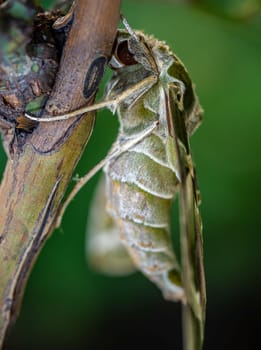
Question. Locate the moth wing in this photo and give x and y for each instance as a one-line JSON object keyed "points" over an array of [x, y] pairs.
{"points": [[192, 269], [104, 250]]}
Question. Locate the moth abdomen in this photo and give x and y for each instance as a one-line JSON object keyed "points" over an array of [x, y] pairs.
{"points": [[146, 238], [140, 192]]}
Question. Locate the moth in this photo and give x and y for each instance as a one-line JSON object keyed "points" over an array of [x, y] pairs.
{"points": [[149, 164]]}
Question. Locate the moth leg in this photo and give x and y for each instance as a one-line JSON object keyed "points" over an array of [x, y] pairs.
{"points": [[112, 103], [116, 152]]}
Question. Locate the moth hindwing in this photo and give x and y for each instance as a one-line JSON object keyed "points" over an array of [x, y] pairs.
{"points": [[148, 165]]}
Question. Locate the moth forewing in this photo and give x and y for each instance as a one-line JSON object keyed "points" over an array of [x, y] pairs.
{"points": [[192, 270]]}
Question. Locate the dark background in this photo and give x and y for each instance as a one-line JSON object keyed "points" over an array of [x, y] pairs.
{"points": [[68, 306]]}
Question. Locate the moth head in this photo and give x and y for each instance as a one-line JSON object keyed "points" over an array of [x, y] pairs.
{"points": [[129, 50]]}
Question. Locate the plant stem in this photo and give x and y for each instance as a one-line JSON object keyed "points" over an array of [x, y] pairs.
{"points": [[36, 179]]}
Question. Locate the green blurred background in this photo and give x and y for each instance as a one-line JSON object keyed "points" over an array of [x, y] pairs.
{"points": [[68, 306]]}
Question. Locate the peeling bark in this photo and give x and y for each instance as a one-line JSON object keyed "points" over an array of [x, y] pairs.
{"points": [[37, 175]]}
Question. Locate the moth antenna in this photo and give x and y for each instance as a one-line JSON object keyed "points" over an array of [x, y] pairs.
{"points": [[128, 27]]}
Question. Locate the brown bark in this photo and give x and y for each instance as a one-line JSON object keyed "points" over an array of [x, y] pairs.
{"points": [[35, 180]]}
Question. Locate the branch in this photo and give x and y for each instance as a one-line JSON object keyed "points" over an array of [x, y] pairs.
{"points": [[36, 179]]}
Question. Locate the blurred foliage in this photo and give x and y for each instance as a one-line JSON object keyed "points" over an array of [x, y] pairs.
{"points": [[233, 8], [248, 11], [69, 306]]}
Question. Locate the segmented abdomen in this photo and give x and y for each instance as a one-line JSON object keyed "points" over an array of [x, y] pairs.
{"points": [[140, 189]]}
